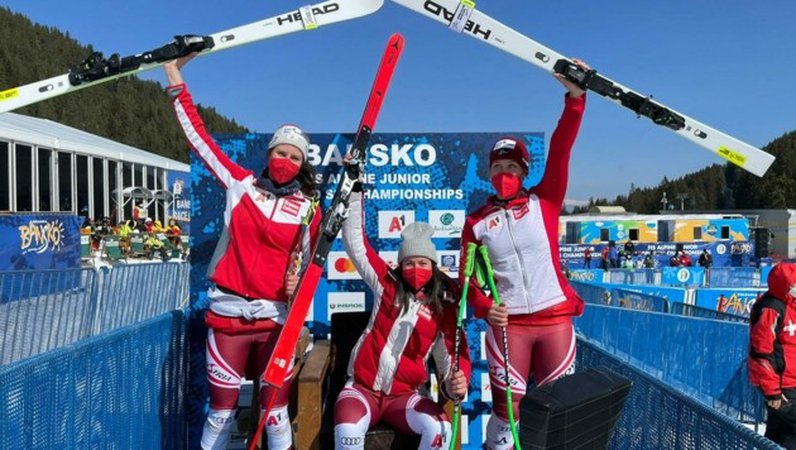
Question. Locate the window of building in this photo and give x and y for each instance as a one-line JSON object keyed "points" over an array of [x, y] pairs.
{"points": [[24, 177], [150, 184], [725, 232], [65, 183], [633, 233], [127, 181], [98, 172], [45, 179], [697, 233], [138, 175], [605, 234], [5, 177], [114, 191], [82, 186]]}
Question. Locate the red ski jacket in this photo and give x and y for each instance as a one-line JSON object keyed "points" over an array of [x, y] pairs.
{"points": [[772, 349], [261, 230]]}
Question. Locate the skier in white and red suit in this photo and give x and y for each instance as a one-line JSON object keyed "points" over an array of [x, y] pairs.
{"points": [[254, 267], [414, 317], [520, 230]]}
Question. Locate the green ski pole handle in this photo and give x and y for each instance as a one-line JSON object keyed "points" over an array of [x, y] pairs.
{"points": [[490, 278], [468, 272]]}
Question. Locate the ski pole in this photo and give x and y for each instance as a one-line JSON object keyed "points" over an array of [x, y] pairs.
{"points": [[490, 278], [468, 272]]}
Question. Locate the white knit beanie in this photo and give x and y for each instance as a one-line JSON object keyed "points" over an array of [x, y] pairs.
{"points": [[417, 242], [292, 135]]}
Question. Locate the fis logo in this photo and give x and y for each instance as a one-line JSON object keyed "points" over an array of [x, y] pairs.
{"points": [[471, 27], [296, 15]]}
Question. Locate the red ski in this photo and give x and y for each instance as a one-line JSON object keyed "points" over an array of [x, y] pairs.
{"points": [[276, 369]]}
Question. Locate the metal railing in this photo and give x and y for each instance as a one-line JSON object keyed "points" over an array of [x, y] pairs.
{"points": [[46, 309]]}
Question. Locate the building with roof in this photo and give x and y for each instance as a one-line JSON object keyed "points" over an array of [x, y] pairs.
{"points": [[47, 167]]}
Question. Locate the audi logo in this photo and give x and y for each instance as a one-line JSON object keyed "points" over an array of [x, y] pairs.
{"points": [[350, 440]]}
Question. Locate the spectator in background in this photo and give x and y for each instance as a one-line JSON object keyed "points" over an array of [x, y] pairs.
{"points": [[705, 261], [676, 260], [604, 258], [772, 353], [174, 231], [649, 261], [630, 247], [685, 259], [587, 258], [125, 230], [149, 226], [613, 255]]}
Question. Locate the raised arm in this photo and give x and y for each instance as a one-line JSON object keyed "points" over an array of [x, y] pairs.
{"points": [[200, 141], [369, 264], [553, 186]]}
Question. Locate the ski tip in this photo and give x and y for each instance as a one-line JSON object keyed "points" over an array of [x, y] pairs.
{"points": [[396, 41]]}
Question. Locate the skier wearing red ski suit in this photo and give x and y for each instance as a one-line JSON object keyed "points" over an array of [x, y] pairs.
{"points": [[388, 364], [254, 267], [520, 230]]}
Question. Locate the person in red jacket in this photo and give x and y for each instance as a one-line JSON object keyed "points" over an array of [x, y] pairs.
{"points": [[255, 265], [772, 353], [520, 231], [414, 317]]}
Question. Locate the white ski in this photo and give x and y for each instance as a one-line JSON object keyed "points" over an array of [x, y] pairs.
{"points": [[97, 69], [461, 16]]}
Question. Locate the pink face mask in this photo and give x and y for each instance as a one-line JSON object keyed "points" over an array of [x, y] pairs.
{"points": [[506, 184], [282, 170], [417, 277]]}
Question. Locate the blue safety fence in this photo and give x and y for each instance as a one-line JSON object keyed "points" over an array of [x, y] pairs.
{"points": [[735, 277], [41, 310], [122, 390], [45, 309], [704, 313], [593, 293], [655, 416], [704, 358]]}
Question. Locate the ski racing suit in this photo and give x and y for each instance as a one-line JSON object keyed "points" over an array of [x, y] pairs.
{"points": [[388, 363], [521, 236], [262, 235]]}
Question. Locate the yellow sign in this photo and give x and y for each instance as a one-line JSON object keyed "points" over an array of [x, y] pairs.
{"points": [[732, 156], [9, 94]]}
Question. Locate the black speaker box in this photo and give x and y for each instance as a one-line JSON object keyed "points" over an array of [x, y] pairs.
{"points": [[574, 412]]}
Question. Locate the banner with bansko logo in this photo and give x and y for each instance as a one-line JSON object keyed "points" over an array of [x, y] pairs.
{"points": [[39, 241], [432, 177], [180, 185]]}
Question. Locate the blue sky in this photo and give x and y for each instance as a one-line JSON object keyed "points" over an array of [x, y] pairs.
{"points": [[727, 63]]}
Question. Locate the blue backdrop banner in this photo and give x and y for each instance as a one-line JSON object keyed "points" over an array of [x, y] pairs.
{"points": [[39, 241], [431, 177]]}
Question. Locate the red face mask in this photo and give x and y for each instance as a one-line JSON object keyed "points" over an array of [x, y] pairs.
{"points": [[282, 170], [417, 277], [506, 184]]}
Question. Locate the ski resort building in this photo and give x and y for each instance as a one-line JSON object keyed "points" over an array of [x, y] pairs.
{"points": [[49, 167]]}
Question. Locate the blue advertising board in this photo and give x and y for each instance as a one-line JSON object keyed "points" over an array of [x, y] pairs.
{"points": [[39, 241]]}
